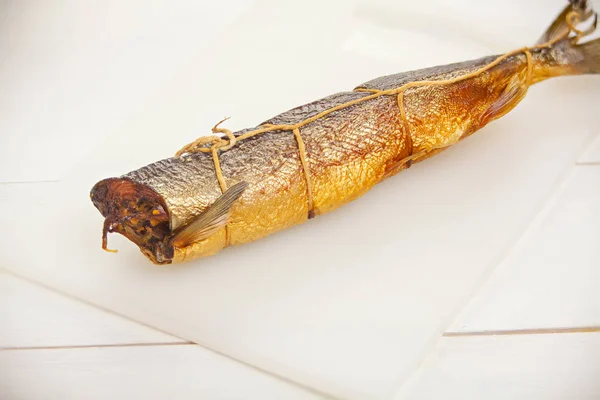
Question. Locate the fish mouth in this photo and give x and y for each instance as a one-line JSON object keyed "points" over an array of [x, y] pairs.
{"points": [[137, 212]]}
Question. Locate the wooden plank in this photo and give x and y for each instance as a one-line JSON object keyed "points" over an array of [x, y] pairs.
{"points": [[185, 372], [550, 279], [32, 316], [72, 74], [592, 154], [522, 367]]}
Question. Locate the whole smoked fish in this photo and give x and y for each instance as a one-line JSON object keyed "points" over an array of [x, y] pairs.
{"points": [[233, 188]]}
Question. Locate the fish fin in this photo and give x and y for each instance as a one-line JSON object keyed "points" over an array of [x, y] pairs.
{"points": [[211, 220], [590, 60], [512, 95], [560, 27]]}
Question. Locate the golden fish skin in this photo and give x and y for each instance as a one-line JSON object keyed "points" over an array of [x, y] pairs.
{"points": [[348, 150]]}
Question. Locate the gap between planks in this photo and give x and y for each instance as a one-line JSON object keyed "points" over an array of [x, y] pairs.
{"points": [[26, 182], [532, 331], [92, 346]]}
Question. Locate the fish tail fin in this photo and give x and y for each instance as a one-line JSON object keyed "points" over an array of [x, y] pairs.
{"points": [[567, 57], [561, 51], [589, 61], [577, 11]]}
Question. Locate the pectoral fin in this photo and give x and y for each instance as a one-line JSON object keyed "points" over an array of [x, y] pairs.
{"points": [[211, 220], [510, 97]]}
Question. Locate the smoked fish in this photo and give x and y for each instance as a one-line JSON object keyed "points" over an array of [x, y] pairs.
{"points": [[233, 188]]}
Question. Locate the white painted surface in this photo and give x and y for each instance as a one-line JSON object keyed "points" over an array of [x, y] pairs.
{"points": [[32, 316], [551, 277], [153, 373], [351, 317], [544, 367], [354, 315], [74, 71], [592, 154]]}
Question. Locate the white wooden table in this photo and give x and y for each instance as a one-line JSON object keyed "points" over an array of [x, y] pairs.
{"points": [[530, 331]]}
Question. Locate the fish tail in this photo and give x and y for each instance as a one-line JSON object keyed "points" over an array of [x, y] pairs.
{"points": [[588, 57], [567, 57], [575, 12], [562, 50], [558, 52]]}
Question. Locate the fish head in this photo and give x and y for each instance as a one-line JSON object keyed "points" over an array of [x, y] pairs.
{"points": [[138, 213]]}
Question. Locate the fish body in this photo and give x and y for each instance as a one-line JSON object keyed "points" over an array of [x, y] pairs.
{"points": [[350, 141]]}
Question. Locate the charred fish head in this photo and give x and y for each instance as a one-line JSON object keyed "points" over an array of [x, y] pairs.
{"points": [[138, 213]]}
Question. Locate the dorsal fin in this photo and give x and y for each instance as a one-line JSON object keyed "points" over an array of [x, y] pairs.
{"points": [[211, 220]]}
